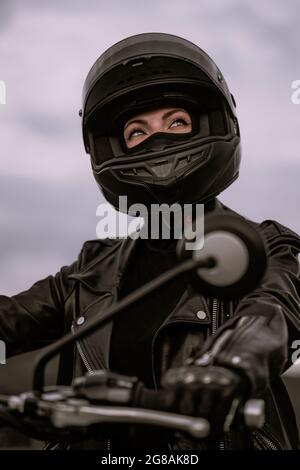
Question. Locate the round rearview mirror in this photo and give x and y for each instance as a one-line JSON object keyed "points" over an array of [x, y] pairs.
{"points": [[237, 252]]}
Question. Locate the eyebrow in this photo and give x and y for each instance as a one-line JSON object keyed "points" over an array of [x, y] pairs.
{"points": [[165, 115]]}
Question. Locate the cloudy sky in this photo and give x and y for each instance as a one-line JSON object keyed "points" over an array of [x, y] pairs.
{"points": [[48, 197]]}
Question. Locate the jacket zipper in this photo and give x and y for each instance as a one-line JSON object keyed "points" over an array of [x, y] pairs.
{"points": [[265, 438], [214, 326], [84, 358], [90, 371], [216, 347], [215, 311], [264, 442], [82, 355]]}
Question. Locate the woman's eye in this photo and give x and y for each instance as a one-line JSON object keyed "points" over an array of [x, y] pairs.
{"points": [[178, 122], [135, 133]]}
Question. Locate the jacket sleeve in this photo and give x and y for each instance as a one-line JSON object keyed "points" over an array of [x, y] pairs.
{"points": [[259, 339], [35, 317]]}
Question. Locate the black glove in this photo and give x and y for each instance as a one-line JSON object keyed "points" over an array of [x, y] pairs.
{"points": [[210, 392]]}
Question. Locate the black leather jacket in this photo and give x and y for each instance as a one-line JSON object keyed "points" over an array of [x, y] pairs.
{"points": [[262, 340]]}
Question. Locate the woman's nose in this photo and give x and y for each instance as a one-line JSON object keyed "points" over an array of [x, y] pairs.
{"points": [[156, 125]]}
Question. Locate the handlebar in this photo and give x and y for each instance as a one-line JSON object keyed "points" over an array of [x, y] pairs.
{"points": [[70, 412]]}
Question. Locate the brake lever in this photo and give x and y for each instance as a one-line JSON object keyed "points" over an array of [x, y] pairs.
{"points": [[65, 410], [84, 415]]}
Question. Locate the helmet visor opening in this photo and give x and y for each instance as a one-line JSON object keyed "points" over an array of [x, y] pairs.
{"points": [[205, 107]]}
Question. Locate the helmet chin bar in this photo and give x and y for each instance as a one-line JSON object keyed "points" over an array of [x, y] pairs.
{"points": [[161, 168], [199, 173]]}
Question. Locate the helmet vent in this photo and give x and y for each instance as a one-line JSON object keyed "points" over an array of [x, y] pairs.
{"points": [[164, 168], [136, 64], [141, 171]]}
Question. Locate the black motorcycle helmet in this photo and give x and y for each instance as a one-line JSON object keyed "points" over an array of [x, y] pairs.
{"points": [[148, 71]]}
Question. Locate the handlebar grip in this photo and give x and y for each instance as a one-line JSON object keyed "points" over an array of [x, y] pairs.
{"points": [[252, 412], [161, 400]]}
